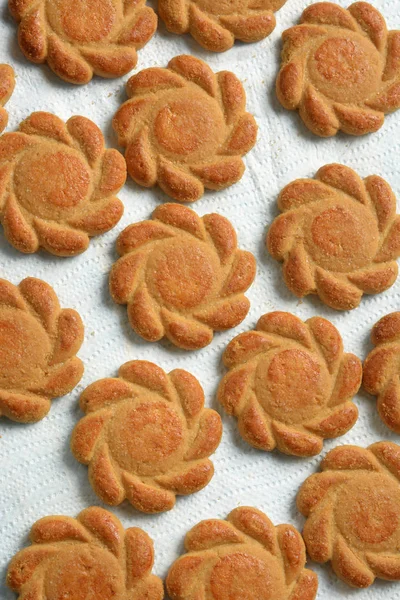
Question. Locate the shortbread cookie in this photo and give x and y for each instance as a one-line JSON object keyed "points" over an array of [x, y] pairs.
{"points": [[185, 128], [7, 85], [216, 25], [339, 236], [38, 346], [290, 384], [242, 558], [382, 369], [182, 276], [78, 39], [353, 513], [146, 436], [90, 557], [341, 69], [58, 184]]}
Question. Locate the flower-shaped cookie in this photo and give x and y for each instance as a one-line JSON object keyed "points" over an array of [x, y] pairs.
{"points": [[290, 384], [38, 344], [216, 25], [7, 85], [146, 436], [57, 184], [339, 236], [185, 128], [341, 69], [90, 557], [78, 39], [353, 513], [244, 557], [382, 369], [182, 276]]}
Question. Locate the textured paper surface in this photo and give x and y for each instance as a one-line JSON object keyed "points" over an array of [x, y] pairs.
{"points": [[38, 475]]}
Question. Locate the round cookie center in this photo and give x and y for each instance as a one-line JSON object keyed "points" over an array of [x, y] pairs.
{"points": [[346, 69], [242, 576], [84, 20], [183, 274], [51, 183], [222, 7], [344, 238], [145, 437], [188, 126], [85, 574], [292, 386], [369, 509], [24, 349]]}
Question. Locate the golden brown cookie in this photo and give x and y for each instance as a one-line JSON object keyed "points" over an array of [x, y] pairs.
{"points": [[242, 558], [58, 184], [38, 346], [353, 513], [78, 39], [90, 557], [146, 436], [182, 276], [340, 69], [216, 25], [185, 128], [382, 369], [290, 384], [338, 236], [7, 85]]}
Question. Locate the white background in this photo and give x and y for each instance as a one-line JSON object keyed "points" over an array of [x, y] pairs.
{"points": [[38, 475]]}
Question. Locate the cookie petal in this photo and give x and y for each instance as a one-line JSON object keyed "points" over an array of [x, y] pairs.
{"points": [[315, 489], [190, 392], [32, 36], [380, 365], [318, 534], [17, 230], [104, 479], [281, 234], [58, 529], [252, 28], [350, 568], [383, 199], [113, 173], [376, 280], [301, 192], [114, 61], [148, 375], [255, 524], [295, 38], [233, 390], [153, 80], [88, 136], [208, 437], [19, 8], [140, 30], [140, 554], [12, 144], [6, 171], [290, 83], [245, 346], [226, 314], [24, 564], [298, 271], [177, 183], [336, 293], [220, 174], [306, 586], [43, 300], [101, 219], [337, 423], [151, 587], [128, 118], [103, 393], [147, 498], [317, 115], [243, 136], [184, 575], [222, 235], [233, 95], [104, 526], [371, 21], [242, 274], [63, 378], [125, 276], [10, 295], [387, 329], [285, 325], [344, 179], [350, 458], [327, 13], [385, 567], [195, 70], [140, 161], [358, 121], [392, 68], [328, 339], [60, 240], [87, 433], [297, 443], [389, 404], [348, 380], [46, 125], [185, 333], [23, 408], [70, 336], [211, 533], [194, 479], [254, 426], [388, 454], [387, 100], [293, 551], [207, 32], [175, 15], [181, 217], [139, 234], [144, 316], [66, 63]]}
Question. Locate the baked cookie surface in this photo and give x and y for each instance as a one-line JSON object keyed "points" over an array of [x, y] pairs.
{"points": [[290, 384], [338, 236], [216, 25], [352, 511], [79, 39], [185, 128], [243, 557], [91, 556], [58, 184], [340, 69], [382, 369], [7, 85], [146, 436], [182, 276], [38, 346]]}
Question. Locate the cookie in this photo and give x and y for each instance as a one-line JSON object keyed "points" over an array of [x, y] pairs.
{"points": [[185, 128], [352, 511], [338, 236], [79, 39], [244, 557], [340, 69], [7, 85], [182, 276], [91, 556], [58, 184], [382, 369], [146, 436], [290, 384], [216, 25], [38, 346]]}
